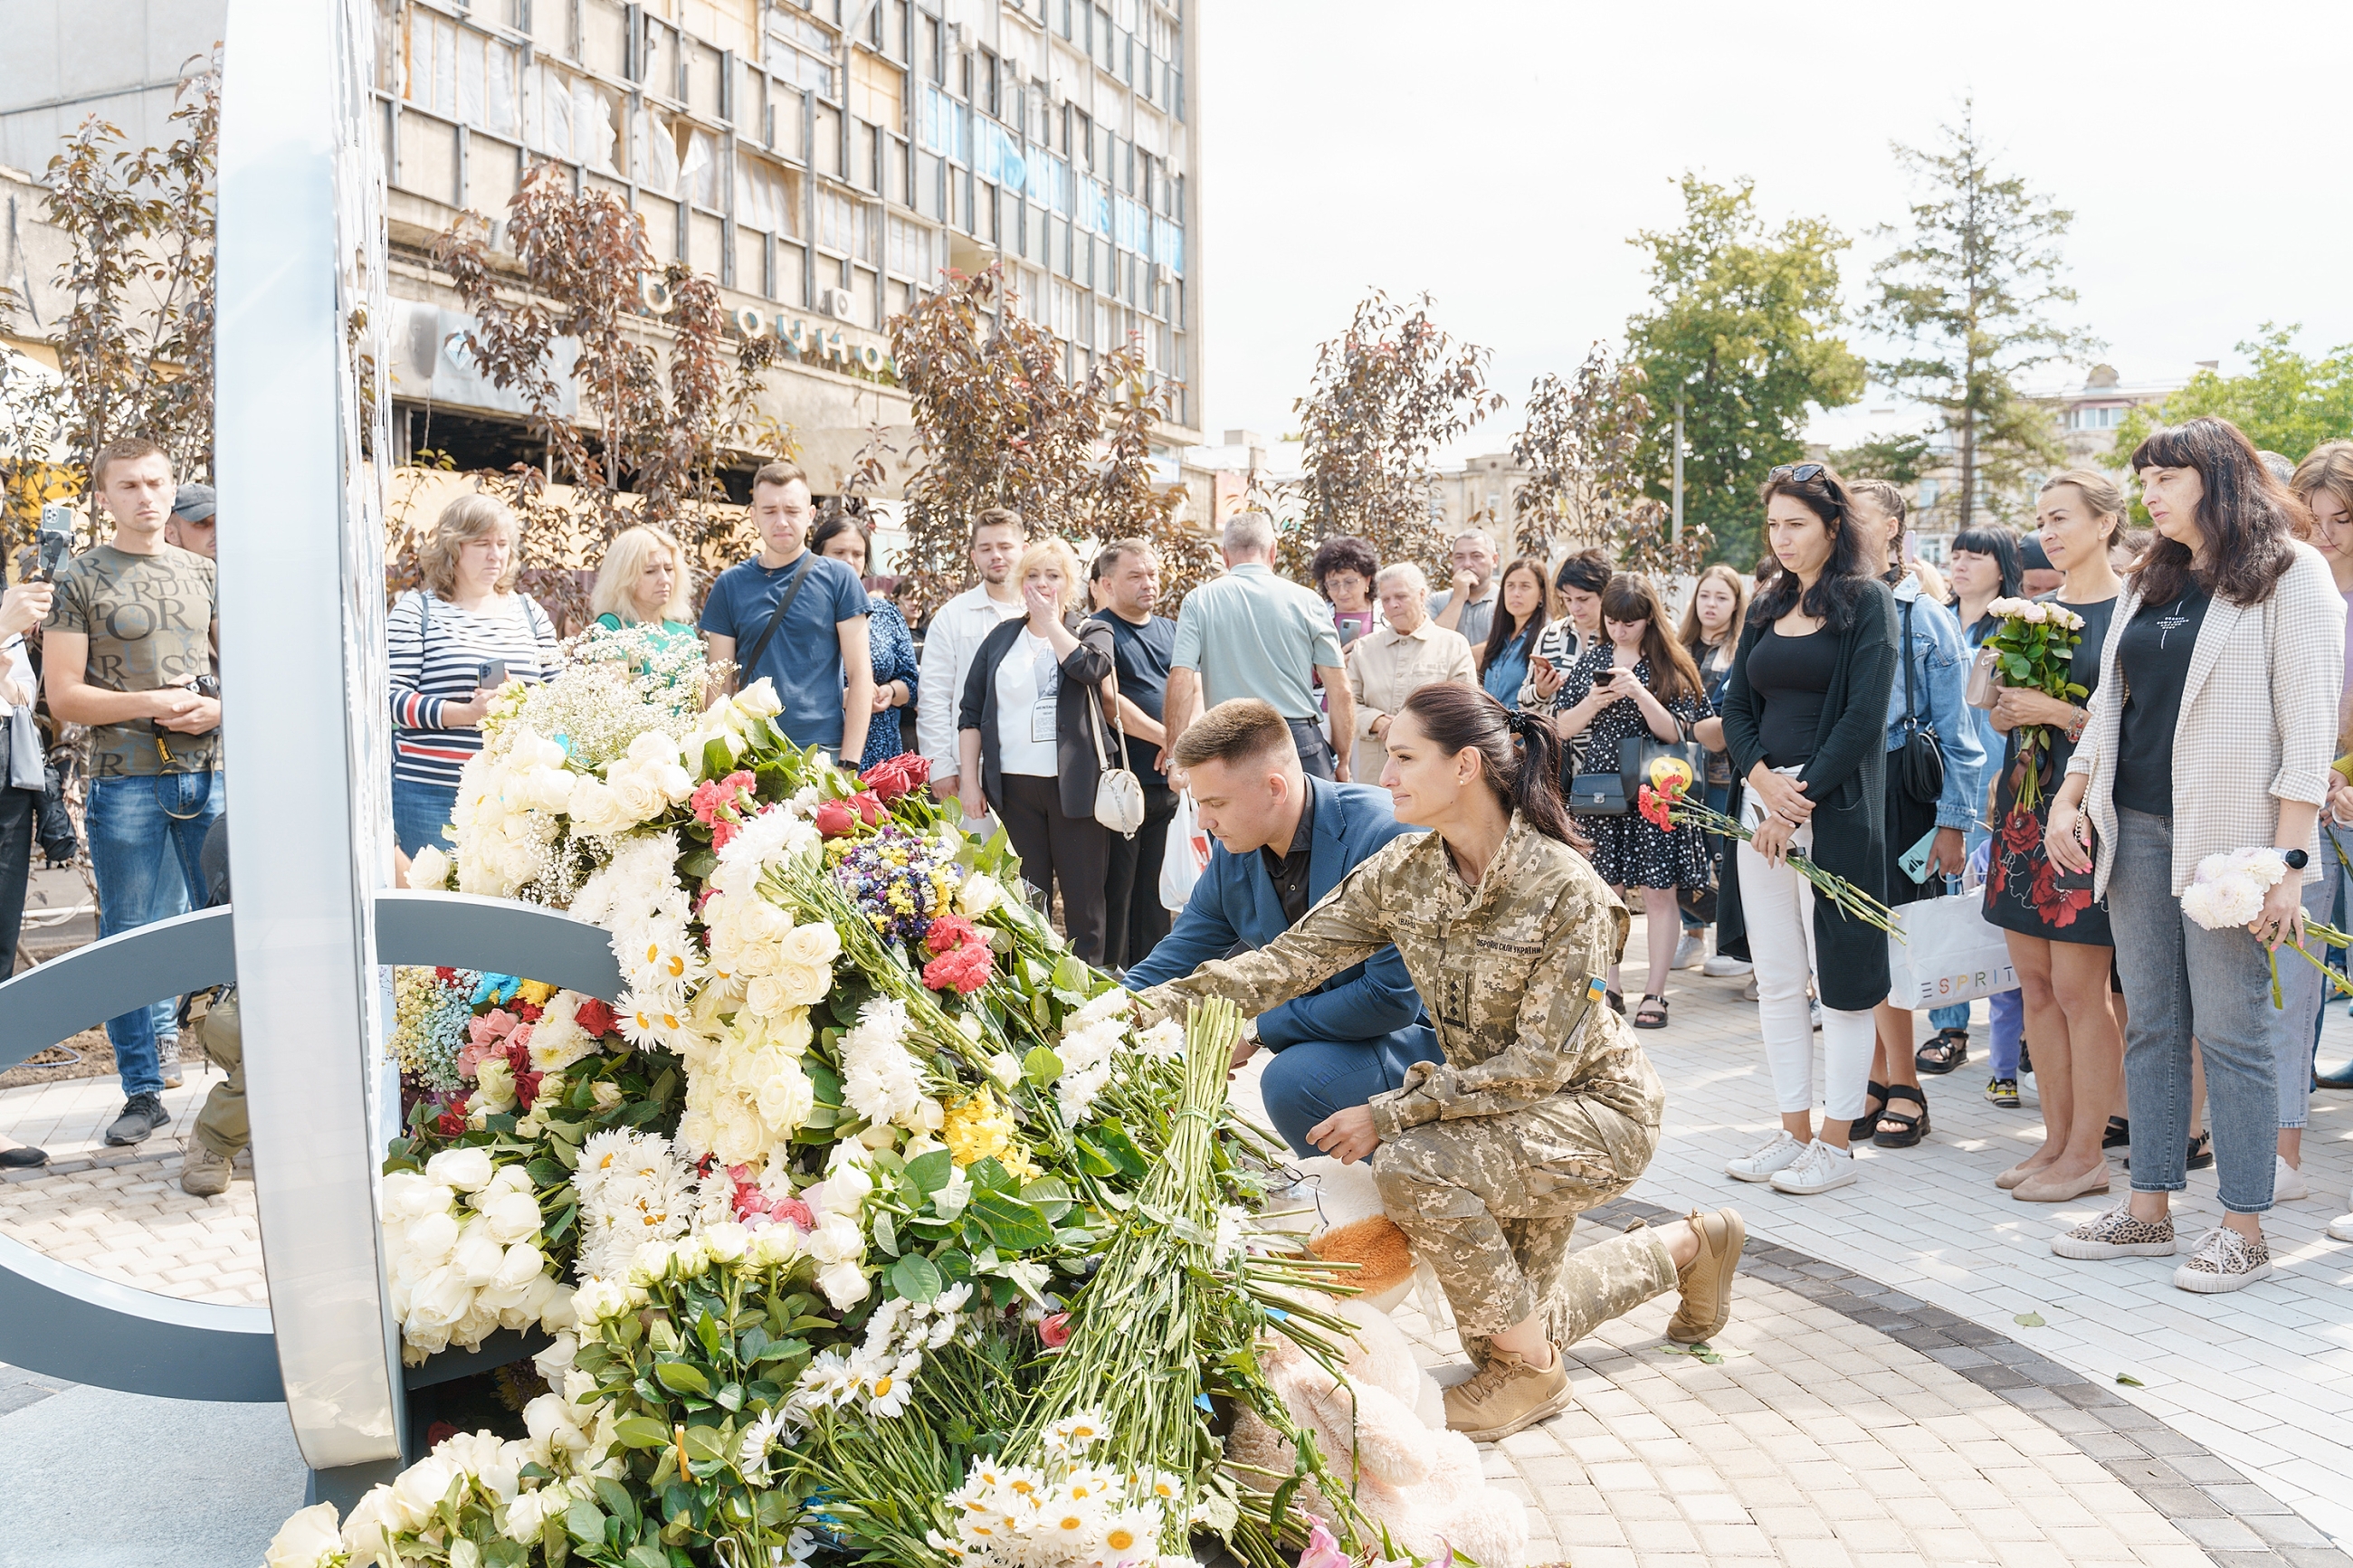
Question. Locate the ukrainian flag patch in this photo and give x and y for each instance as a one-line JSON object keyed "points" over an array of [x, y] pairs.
{"points": [[1596, 989]]}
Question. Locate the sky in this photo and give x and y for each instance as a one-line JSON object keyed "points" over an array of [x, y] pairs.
{"points": [[1499, 153]]}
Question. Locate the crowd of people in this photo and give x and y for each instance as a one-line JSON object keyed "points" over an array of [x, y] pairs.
{"points": [[1838, 703]]}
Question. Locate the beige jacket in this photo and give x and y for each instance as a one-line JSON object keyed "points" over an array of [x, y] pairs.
{"points": [[2258, 722], [1386, 667]]}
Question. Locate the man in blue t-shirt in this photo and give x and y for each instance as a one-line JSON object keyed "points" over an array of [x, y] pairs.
{"points": [[821, 637], [1126, 576]]}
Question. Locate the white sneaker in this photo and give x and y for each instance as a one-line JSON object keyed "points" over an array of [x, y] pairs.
{"points": [[1691, 951], [2224, 1261], [1782, 1152], [2341, 1227], [2287, 1182], [1719, 967], [1822, 1168]]}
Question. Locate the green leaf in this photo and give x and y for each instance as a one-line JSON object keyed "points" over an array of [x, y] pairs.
{"points": [[682, 1377], [916, 1278], [706, 1442], [585, 1522], [616, 1500], [706, 1329], [2129, 1381], [1050, 1196], [641, 1432], [718, 762], [699, 865], [2018, 668], [931, 1172], [2029, 1321], [990, 1176], [648, 1553], [886, 1233], [1041, 1066], [1070, 974], [1010, 1223], [824, 1082]]}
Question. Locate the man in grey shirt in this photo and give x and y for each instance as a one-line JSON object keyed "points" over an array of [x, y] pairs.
{"points": [[1253, 633], [1469, 606]]}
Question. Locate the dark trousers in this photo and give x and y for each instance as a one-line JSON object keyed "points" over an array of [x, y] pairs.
{"points": [[16, 809], [1132, 887], [1056, 847], [1315, 750]]}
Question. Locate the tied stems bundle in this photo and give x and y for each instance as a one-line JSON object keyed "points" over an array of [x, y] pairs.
{"points": [[1668, 808], [2330, 936]]}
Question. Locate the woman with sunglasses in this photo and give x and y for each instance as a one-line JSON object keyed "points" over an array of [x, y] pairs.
{"points": [[1805, 722]]}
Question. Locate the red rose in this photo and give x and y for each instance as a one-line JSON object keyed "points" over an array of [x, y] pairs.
{"points": [[835, 818], [450, 1123], [1054, 1329], [869, 808], [527, 1088], [950, 933], [527, 1013], [895, 776], [597, 1018], [438, 1433], [964, 971], [793, 1209]]}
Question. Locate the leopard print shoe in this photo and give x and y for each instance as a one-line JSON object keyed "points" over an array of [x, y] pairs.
{"points": [[2116, 1234]]}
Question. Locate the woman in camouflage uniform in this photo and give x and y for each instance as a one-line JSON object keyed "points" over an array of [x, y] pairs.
{"points": [[1544, 1106]]}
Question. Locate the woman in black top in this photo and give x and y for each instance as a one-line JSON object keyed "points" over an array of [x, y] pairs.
{"points": [[1805, 722]]}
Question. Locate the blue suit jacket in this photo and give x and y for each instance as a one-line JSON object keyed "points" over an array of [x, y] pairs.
{"points": [[1234, 905]]}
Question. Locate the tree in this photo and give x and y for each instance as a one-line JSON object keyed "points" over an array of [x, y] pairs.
{"points": [[1971, 293], [1741, 327], [1388, 393], [1899, 460], [1582, 445], [34, 418], [2287, 403], [998, 424], [652, 437], [135, 347]]}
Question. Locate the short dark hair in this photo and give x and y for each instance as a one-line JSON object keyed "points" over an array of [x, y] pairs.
{"points": [[1108, 558], [1344, 552], [779, 472], [995, 517], [1588, 571], [841, 522], [1232, 732]]}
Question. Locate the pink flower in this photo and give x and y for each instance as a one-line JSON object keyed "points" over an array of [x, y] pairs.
{"points": [[495, 1024], [965, 970], [1054, 1329], [796, 1211], [1322, 1552]]}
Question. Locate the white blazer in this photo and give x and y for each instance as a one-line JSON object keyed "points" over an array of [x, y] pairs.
{"points": [[2258, 722]]}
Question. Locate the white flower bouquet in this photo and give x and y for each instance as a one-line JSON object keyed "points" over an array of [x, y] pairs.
{"points": [[2229, 890]]}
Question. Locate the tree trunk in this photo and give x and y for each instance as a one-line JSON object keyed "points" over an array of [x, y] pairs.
{"points": [[1968, 467]]}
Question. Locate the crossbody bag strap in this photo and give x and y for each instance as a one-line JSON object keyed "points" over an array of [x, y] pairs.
{"points": [[783, 608], [1911, 712]]}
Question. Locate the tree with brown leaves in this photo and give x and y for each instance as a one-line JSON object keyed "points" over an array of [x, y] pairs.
{"points": [[1582, 446]]}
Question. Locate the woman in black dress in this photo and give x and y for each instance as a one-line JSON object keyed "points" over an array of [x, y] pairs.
{"points": [[2058, 932], [1637, 681]]}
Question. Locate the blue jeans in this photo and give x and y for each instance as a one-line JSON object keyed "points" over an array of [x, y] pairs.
{"points": [[2183, 980], [419, 814], [1308, 1082], [2007, 1009], [145, 838]]}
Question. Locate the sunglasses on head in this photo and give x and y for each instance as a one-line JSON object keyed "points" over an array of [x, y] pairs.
{"points": [[1803, 473]]}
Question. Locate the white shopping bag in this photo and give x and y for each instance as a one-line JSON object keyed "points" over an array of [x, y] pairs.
{"points": [[1186, 856], [1951, 953]]}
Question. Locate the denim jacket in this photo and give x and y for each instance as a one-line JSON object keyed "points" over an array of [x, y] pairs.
{"points": [[1939, 661]]}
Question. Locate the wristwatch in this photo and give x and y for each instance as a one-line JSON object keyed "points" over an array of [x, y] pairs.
{"points": [[2296, 859]]}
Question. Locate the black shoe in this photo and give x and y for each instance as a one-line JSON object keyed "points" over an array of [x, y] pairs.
{"points": [[141, 1114], [21, 1156], [1948, 1050], [2201, 1152], [2025, 1058], [2342, 1078], [2119, 1135]]}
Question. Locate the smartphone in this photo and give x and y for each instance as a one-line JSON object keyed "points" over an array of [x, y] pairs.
{"points": [[491, 674], [1540, 663], [1915, 859]]}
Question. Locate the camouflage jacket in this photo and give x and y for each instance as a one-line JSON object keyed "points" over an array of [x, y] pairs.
{"points": [[1510, 971]]}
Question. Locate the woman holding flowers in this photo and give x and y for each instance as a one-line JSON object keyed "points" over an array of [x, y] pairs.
{"points": [[1805, 721], [2210, 733], [2058, 932], [1545, 1107], [1639, 682]]}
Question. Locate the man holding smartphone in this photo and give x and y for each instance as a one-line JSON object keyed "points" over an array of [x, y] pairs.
{"points": [[132, 628]]}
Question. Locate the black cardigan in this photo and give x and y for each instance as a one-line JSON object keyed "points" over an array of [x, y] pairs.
{"points": [[1846, 779], [1074, 741]]}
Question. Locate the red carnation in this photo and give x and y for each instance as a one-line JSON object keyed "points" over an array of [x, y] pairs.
{"points": [[597, 1018], [964, 971], [949, 932], [895, 776], [528, 1013]]}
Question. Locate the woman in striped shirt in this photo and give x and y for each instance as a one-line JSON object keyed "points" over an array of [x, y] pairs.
{"points": [[444, 639]]}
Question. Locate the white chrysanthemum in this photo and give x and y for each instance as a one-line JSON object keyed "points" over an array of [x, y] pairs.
{"points": [[880, 1077], [633, 1189], [557, 1040], [774, 836]]}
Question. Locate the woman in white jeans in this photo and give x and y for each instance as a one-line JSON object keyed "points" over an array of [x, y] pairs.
{"points": [[1805, 724]]}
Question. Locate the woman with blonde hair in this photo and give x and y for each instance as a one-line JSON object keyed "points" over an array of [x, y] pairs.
{"points": [[1034, 724], [644, 581], [453, 643], [1713, 622]]}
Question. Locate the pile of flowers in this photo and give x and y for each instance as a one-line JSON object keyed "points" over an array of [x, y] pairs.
{"points": [[2034, 650], [864, 1201]]}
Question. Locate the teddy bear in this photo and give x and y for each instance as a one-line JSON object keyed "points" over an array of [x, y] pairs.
{"points": [[1382, 1429]]}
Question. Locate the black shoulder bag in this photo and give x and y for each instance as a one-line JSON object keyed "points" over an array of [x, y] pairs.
{"points": [[1922, 765], [750, 661]]}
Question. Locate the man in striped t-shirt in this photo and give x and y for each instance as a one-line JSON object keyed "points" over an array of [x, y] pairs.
{"points": [[452, 642]]}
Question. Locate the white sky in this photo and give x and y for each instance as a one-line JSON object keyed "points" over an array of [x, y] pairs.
{"points": [[1498, 153]]}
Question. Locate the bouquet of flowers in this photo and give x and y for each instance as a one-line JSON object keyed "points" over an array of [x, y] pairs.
{"points": [[2034, 650], [1666, 807], [2229, 890]]}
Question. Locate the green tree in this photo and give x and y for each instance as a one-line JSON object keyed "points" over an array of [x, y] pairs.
{"points": [[1899, 460], [1971, 293], [1742, 328], [2287, 403]]}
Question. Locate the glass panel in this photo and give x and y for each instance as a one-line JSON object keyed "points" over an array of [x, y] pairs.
{"points": [[698, 168], [837, 222]]}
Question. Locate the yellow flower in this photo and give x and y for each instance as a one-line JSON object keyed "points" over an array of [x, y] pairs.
{"points": [[979, 1129], [535, 991]]}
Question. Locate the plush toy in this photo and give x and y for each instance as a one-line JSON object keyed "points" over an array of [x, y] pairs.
{"points": [[1384, 1427]]}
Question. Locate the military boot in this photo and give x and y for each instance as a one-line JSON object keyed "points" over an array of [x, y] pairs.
{"points": [[1707, 1280], [1506, 1395]]}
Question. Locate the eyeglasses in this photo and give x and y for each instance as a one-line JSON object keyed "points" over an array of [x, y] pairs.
{"points": [[1803, 473]]}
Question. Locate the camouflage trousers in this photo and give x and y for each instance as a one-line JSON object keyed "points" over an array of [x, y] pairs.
{"points": [[1490, 1202]]}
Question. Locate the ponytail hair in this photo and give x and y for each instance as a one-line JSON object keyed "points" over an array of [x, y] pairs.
{"points": [[1519, 755]]}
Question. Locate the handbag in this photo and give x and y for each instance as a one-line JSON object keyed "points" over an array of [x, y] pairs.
{"points": [[1945, 952], [1985, 679], [1662, 765], [1119, 793], [1186, 857], [1921, 768]]}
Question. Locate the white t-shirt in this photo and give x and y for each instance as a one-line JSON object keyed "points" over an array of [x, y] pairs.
{"points": [[1028, 680]]}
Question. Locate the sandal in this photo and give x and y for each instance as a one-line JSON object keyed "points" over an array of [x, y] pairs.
{"points": [[1618, 1001], [1910, 1129], [2199, 1157], [1866, 1124], [1948, 1050], [2119, 1134], [1651, 1013]]}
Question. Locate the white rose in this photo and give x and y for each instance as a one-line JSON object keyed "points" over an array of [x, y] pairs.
{"points": [[758, 700], [726, 1240], [594, 809], [606, 1093], [774, 1245], [305, 1539], [804, 985], [429, 1240], [689, 1258], [521, 1264], [428, 871], [597, 1300], [476, 1256], [847, 1187], [511, 1216], [550, 1301], [978, 895], [812, 946], [1006, 1069], [844, 1284], [768, 994], [838, 1238], [495, 1086], [408, 1195], [464, 1169]]}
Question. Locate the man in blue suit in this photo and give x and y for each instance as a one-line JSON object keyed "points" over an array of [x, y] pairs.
{"points": [[1285, 840]]}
